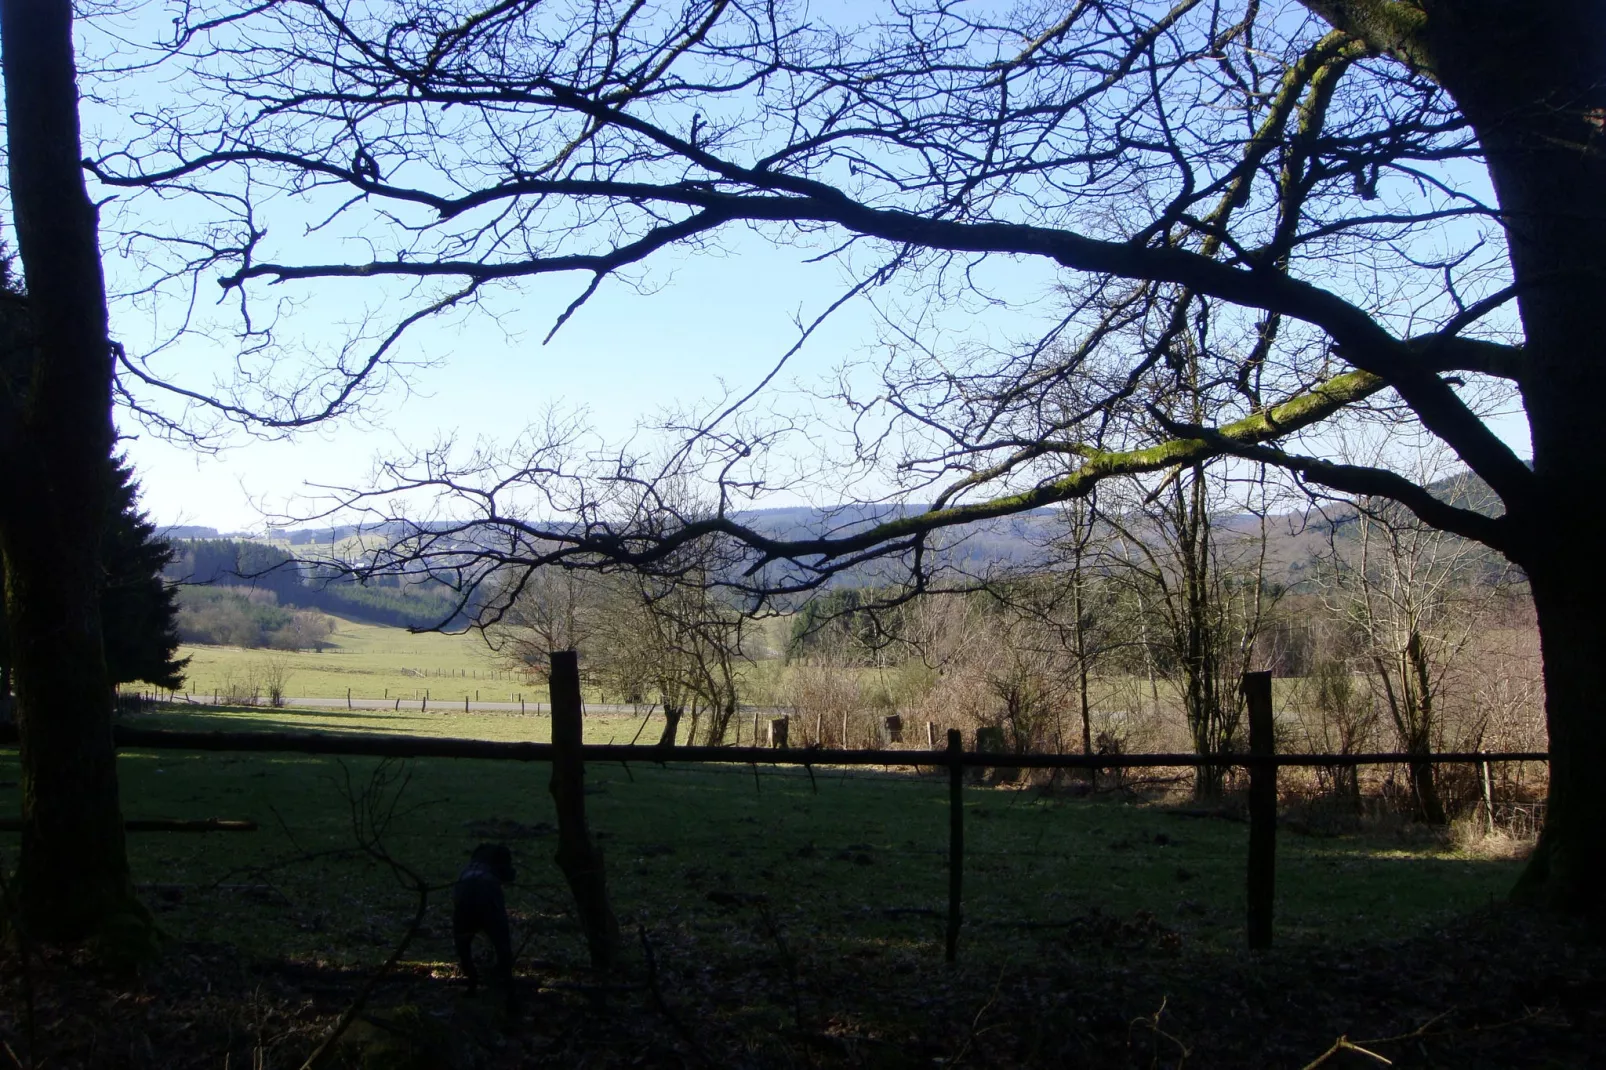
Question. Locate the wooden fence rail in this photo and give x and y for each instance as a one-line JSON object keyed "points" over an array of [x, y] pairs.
{"points": [[1260, 761], [396, 746]]}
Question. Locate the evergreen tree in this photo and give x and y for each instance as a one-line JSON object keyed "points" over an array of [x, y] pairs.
{"points": [[138, 609]]}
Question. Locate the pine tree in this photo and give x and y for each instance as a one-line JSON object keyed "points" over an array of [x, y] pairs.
{"points": [[138, 609]]}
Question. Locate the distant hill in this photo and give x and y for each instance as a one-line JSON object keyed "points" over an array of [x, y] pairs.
{"points": [[1016, 542], [243, 564]]}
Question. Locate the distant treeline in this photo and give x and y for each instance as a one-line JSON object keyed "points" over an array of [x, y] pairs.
{"points": [[235, 564]]}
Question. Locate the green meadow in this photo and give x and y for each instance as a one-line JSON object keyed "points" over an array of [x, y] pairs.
{"points": [[372, 660], [856, 860]]}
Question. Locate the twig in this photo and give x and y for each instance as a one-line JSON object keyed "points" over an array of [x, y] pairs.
{"points": [[789, 961], [1152, 1024], [642, 728], [1346, 1044], [361, 999], [973, 1032], [372, 811], [661, 1006]]}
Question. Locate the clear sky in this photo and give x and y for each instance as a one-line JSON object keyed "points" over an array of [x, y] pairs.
{"points": [[712, 323]]}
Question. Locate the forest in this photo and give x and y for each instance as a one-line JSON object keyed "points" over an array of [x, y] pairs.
{"points": [[245, 593]]}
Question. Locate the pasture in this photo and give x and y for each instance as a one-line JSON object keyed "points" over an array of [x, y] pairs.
{"points": [[780, 907], [374, 661], [858, 857]]}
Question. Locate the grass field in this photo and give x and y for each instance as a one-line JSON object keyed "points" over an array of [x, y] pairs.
{"points": [[857, 860], [794, 920], [374, 661]]}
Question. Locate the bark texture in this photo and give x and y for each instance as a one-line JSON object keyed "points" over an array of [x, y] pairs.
{"points": [[56, 443], [1532, 80]]}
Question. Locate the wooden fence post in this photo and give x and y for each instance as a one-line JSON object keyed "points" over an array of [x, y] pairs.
{"points": [[1488, 793], [1262, 809], [956, 837], [578, 857]]}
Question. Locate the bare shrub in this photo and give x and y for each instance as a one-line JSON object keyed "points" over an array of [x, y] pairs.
{"points": [[240, 688], [826, 698], [274, 674]]}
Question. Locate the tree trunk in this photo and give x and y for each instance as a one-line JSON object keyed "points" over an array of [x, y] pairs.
{"points": [[73, 874], [1533, 84], [1568, 868], [1425, 802], [672, 715]]}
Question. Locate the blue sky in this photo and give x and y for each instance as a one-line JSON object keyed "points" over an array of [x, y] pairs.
{"points": [[712, 323]]}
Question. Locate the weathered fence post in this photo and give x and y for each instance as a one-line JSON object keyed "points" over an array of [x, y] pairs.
{"points": [[1262, 809], [956, 837], [578, 857], [931, 735], [348, 698], [1488, 792]]}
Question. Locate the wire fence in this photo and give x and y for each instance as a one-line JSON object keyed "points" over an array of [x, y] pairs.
{"points": [[954, 763]]}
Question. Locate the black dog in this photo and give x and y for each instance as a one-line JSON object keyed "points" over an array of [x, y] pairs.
{"points": [[478, 907]]}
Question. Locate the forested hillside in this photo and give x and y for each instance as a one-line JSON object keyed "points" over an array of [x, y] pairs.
{"points": [[244, 593]]}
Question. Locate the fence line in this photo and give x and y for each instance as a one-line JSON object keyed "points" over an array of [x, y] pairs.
{"points": [[567, 753], [400, 746]]}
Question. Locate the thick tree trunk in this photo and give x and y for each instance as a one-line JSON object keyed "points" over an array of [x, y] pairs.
{"points": [[1532, 80], [74, 879], [1568, 868]]}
